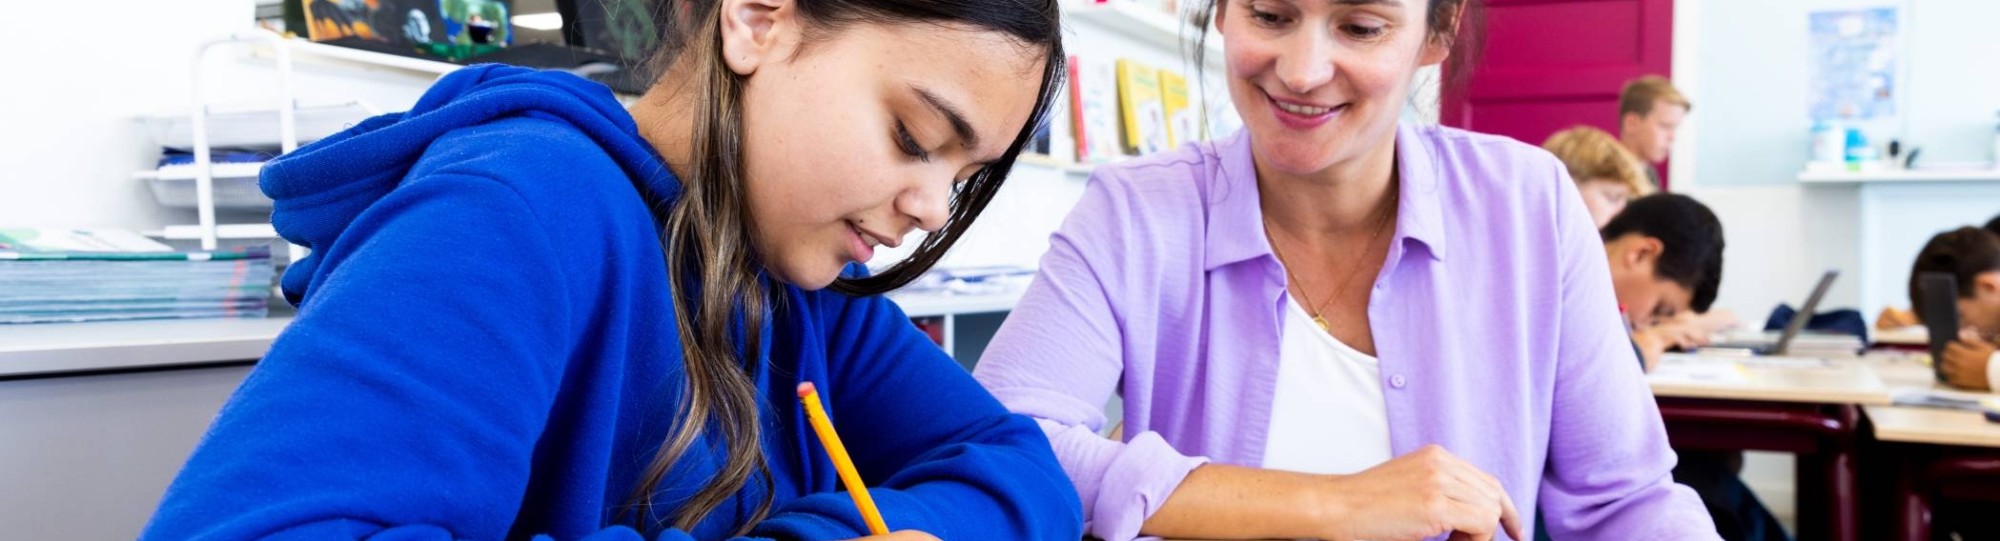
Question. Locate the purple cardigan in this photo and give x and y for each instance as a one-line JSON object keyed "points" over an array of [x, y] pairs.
{"points": [[1494, 320]]}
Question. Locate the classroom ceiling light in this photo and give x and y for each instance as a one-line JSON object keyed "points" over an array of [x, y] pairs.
{"points": [[539, 21]]}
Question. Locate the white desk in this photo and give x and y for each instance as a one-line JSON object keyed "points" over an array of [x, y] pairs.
{"points": [[98, 417], [1914, 335], [1807, 406], [1934, 426], [1942, 449], [31, 350], [1925, 425], [1776, 379]]}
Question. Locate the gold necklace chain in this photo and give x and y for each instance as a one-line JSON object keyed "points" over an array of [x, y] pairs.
{"points": [[1340, 287]]}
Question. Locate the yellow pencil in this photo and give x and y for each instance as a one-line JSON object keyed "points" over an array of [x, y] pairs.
{"points": [[816, 413]]}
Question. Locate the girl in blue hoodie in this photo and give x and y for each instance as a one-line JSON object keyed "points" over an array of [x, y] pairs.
{"points": [[530, 311]]}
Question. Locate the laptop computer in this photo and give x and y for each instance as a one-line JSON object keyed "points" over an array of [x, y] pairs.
{"points": [[1792, 328]]}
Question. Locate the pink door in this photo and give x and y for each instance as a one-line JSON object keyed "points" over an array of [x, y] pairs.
{"points": [[1552, 64]]}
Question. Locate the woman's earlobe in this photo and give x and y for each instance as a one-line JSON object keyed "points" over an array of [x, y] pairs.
{"points": [[1437, 50]]}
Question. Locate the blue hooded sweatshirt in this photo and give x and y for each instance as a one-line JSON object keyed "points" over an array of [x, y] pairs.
{"points": [[485, 348]]}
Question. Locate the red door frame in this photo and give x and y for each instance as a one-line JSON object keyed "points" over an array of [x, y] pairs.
{"points": [[1544, 95]]}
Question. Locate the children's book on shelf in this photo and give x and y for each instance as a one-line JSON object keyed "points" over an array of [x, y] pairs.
{"points": [[1139, 103], [1183, 125], [1074, 96], [1095, 85], [1061, 146], [1039, 143], [1051, 138]]}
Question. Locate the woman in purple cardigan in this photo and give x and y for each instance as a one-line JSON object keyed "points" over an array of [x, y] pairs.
{"points": [[1332, 325]]}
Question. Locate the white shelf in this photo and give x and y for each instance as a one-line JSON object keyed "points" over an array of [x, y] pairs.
{"points": [[222, 231], [306, 48], [235, 186], [256, 127], [218, 171], [1046, 161], [111, 345], [1907, 175], [940, 304], [1147, 25]]}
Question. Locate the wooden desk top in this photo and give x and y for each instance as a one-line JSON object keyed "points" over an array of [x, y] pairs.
{"points": [[1909, 424], [1933, 425], [1775, 379]]}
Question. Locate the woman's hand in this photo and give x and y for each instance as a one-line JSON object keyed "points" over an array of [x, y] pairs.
{"points": [[1418, 495]]}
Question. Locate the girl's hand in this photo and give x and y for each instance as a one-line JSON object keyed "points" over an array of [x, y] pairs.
{"points": [[904, 535]]}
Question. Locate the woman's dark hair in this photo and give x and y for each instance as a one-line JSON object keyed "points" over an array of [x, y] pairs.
{"points": [[1690, 241], [1468, 17], [718, 287], [1964, 253]]}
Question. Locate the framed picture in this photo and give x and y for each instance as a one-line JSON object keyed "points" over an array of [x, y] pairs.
{"points": [[396, 22], [476, 22], [622, 28], [410, 23]]}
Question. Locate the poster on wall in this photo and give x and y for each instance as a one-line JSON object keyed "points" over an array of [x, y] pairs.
{"points": [[406, 22], [1853, 64], [411, 23]]}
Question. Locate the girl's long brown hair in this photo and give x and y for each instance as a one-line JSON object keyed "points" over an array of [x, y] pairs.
{"points": [[719, 293]]}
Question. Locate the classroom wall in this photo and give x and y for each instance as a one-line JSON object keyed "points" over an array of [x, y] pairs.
{"points": [[71, 141], [1744, 66], [1746, 62], [1753, 59]]}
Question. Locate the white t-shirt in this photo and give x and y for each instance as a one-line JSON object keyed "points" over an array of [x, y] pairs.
{"points": [[1327, 415]]}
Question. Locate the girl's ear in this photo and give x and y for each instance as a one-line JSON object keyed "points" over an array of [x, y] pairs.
{"points": [[757, 32]]}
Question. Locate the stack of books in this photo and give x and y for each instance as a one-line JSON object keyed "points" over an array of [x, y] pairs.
{"points": [[76, 275]]}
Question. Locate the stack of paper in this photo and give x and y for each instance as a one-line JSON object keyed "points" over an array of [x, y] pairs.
{"points": [[73, 275]]}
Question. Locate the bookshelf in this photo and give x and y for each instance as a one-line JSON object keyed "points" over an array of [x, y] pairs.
{"points": [[1069, 167], [1900, 176], [312, 51], [1016, 227], [284, 125], [1144, 25]]}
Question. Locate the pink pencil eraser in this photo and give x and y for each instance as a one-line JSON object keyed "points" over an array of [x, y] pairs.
{"points": [[805, 389]]}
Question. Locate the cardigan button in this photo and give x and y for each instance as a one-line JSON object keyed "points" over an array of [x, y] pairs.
{"points": [[1397, 381]]}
